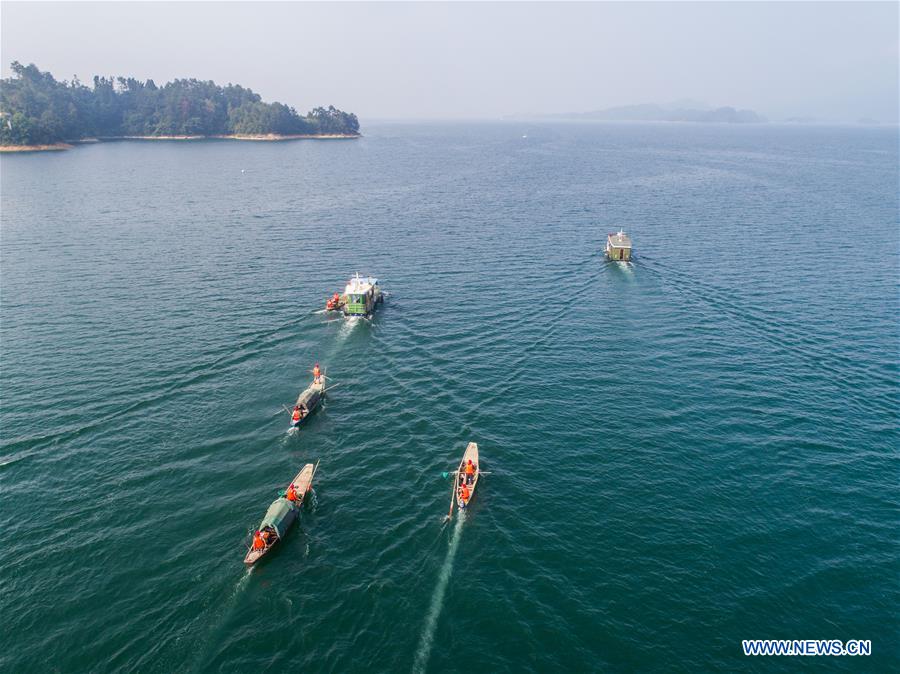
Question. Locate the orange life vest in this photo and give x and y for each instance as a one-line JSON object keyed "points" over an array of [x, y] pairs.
{"points": [[258, 543], [470, 469], [291, 493], [464, 493], [296, 415], [316, 372]]}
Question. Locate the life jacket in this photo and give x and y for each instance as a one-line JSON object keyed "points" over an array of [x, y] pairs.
{"points": [[316, 372], [296, 415], [291, 493], [470, 469], [258, 543], [464, 493]]}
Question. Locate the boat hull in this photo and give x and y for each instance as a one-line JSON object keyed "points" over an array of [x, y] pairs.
{"points": [[253, 556], [310, 398], [283, 513], [471, 453]]}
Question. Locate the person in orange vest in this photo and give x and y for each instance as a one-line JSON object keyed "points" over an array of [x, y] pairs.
{"points": [[291, 493], [464, 494], [258, 543], [470, 472], [295, 415], [316, 373], [336, 299]]}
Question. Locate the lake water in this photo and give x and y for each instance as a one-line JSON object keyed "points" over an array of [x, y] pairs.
{"points": [[697, 448]]}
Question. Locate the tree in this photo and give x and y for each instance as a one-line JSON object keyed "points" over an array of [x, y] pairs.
{"points": [[36, 108]]}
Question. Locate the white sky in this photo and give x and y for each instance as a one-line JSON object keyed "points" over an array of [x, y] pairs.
{"points": [[833, 61]]}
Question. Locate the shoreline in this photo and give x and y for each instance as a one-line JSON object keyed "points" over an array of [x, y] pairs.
{"points": [[237, 136], [261, 137], [53, 147]]}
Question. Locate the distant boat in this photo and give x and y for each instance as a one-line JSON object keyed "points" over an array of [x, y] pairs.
{"points": [[524, 135], [618, 246]]}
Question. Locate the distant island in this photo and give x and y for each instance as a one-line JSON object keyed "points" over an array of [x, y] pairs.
{"points": [[652, 112], [39, 112]]}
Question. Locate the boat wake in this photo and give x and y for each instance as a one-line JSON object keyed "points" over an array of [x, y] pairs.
{"points": [[9, 460], [346, 328], [216, 627], [437, 599], [242, 583]]}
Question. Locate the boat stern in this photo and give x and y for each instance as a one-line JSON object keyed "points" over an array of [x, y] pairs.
{"points": [[618, 246], [361, 295], [357, 305], [253, 556]]}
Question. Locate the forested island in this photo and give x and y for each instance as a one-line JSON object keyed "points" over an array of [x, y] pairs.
{"points": [[37, 111]]}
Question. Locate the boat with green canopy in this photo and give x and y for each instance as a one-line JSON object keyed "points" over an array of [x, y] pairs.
{"points": [[281, 515]]}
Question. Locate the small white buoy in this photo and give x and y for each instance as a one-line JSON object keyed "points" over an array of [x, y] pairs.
{"points": [[242, 170]]}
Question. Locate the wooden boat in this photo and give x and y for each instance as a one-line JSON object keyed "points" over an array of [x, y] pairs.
{"points": [[460, 476], [308, 400], [282, 513]]}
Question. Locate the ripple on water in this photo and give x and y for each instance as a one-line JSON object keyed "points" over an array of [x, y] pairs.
{"points": [[719, 425]]}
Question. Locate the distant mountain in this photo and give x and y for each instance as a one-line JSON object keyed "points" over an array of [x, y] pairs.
{"points": [[652, 112]]}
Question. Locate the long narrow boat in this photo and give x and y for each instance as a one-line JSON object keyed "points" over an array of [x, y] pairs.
{"points": [[282, 513], [308, 400], [460, 476]]}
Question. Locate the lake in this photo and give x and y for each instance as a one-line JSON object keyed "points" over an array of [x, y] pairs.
{"points": [[694, 449]]}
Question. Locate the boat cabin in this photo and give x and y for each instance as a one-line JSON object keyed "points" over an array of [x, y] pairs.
{"points": [[361, 295], [618, 246]]}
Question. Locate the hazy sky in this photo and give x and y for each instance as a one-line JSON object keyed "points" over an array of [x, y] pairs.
{"points": [[837, 61]]}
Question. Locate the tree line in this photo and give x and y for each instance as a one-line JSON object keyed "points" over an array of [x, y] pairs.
{"points": [[36, 109]]}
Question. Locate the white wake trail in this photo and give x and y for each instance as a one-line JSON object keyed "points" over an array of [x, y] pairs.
{"points": [[346, 328], [437, 599]]}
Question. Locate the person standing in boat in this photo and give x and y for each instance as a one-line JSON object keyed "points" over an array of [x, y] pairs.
{"points": [[296, 415], [470, 472], [258, 542], [316, 374]]}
